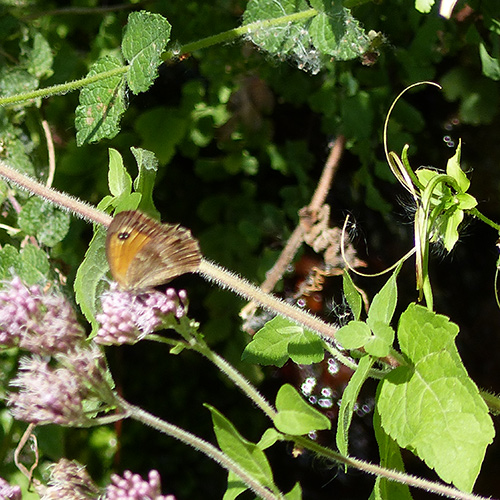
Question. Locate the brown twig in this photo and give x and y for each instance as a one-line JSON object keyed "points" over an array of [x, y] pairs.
{"points": [[297, 237]]}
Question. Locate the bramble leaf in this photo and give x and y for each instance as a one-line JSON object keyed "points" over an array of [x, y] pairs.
{"points": [[432, 406]]}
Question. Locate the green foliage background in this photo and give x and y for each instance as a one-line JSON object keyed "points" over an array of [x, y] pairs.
{"points": [[241, 137]]}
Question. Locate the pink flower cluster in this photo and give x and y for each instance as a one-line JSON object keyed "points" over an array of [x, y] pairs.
{"points": [[41, 322], [127, 318], [133, 487]]}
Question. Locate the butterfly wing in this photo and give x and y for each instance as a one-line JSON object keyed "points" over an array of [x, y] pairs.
{"points": [[143, 253]]}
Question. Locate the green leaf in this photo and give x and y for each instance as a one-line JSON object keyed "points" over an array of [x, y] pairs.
{"points": [[490, 65], [289, 40], [90, 279], [454, 170], [145, 38], [37, 57], [295, 416], [390, 458], [432, 406], [379, 345], [424, 6], [384, 303], [10, 262], [280, 339], [119, 180], [349, 399], [43, 220], [268, 439], [352, 295], [246, 454], [354, 335], [295, 493], [144, 183], [102, 104], [337, 33], [466, 201], [35, 265]]}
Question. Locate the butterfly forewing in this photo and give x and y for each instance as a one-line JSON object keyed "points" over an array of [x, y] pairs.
{"points": [[143, 253]]}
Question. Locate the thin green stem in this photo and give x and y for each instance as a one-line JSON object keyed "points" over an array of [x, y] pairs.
{"points": [[377, 470], [230, 371], [198, 444], [235, 33], [63, 88], [476, 213]]}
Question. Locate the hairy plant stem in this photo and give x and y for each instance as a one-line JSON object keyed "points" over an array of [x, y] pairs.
{"points": [[377, 470], [232, 34], [230, 371], [198, 444]]}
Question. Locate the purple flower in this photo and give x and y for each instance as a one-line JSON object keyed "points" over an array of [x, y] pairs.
{"points": [[127, 318], [47, 395], [133, 487], [39, 322], [69, 480], [8, 492]]}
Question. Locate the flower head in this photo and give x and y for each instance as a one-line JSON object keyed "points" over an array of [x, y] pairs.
{"points": [[133, 487], [40, 322], [69, 480], [8, 492], [127, 318]]}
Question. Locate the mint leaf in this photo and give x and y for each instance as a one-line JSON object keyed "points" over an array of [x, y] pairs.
{"points": [[295, 416], [102, 104], [43, 220], [280, 339], [145, 38], [432, 406], [379, 344]]}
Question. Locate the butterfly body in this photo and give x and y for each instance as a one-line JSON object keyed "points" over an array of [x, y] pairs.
{"points": [[143, 253]]}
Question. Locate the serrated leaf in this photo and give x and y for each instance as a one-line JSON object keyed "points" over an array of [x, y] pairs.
{"points": [[352, 295], [10, 262], [102, 104], [90, 278], [432, 406], [16, 80], [43, 220], [119, 180], [35, 265], [145, 38], [280, 339], [349, 399], [337, 33], [37, 57], [354, 335], [144, 183], [295, 416], [246, 454], [288, 40]]}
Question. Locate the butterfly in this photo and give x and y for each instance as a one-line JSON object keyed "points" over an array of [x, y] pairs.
{"points": [[143, 253]]}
